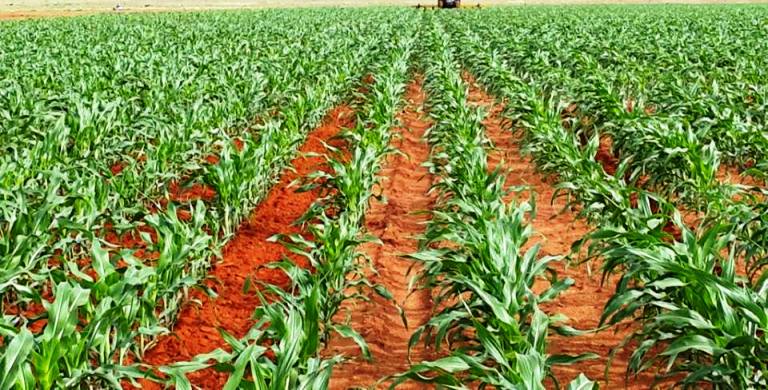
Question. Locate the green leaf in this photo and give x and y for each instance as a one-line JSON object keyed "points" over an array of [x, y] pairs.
{"points": [[15, 359], [347, 332], [582, 383]]}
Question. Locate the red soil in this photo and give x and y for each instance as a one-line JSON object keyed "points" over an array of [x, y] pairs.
{"points": [[20, 15], [195, 191], [212, 159], [185, 194], [365, 82], [239, 144], [32, 312], [557, 229], [605, 156], [130, 240], [35, 312], [648, 110], [394, 222], [116, 168], [728, 174], [197, 329]]}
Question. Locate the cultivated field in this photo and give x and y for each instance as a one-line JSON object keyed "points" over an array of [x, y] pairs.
{"points": [[15, 9], [90, 4], [509, 198]]}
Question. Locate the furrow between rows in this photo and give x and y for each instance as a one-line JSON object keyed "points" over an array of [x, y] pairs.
{"points": [[397, 223], [198, 328]]}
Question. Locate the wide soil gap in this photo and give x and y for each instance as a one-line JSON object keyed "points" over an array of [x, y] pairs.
{"points": [[197, 329], [556, 229], [405, 186]]}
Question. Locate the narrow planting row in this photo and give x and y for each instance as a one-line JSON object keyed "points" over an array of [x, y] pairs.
{"points": [[699, 321], [282, 349], [394, 220], [557, 227], [486, 311], [79, 256]]}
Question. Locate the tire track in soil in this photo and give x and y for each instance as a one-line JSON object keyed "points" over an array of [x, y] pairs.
{"points": [[405, 185], [556, 229], [196, 330]]}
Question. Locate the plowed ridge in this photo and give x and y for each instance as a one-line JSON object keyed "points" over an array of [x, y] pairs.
{"points": [[395, 222], [197, 330], [557, 229]]}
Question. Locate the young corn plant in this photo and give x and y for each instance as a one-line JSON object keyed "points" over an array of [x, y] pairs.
{"points": [[487, 314], [748, 219], [283, 349], [700, 321], [670, 129], [109, 151]]}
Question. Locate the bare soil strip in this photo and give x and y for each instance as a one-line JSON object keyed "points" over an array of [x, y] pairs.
{"points": [[197, 329], [557, 230], [729, 174], [405, 187]]}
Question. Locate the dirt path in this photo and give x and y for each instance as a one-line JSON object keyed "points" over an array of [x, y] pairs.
{"points": [[21, 15], [196, 331], [47, 13], [394, 222], [556, 231]]}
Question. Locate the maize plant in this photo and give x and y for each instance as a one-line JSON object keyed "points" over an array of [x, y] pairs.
{"points": [[132, 147], [699, 317], [486, 313], [99, 182], [700, 320], [299, 321]]}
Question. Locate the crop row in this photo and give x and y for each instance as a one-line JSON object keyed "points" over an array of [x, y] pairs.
{"points": [[133, 146], [700, 319], [124, 175], [487, 314], [282, 349]]}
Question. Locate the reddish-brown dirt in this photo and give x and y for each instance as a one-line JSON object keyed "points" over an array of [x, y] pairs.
{"points": [[729, 174], [197, 329], [605, 156], [20, 15], [395, 222], [179, 193], [32, 312], [116, 168], [556, 229]]}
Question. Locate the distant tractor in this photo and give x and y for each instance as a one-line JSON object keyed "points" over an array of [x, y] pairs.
{"points": [[448, 3], [444, 4]]}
